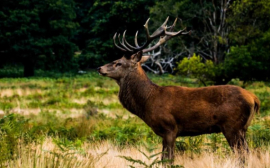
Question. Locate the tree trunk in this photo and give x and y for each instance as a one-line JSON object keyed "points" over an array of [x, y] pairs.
{"points": [[28, 68]]}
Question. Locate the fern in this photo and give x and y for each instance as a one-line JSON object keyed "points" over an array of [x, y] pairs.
{"points": [[155, 163]]}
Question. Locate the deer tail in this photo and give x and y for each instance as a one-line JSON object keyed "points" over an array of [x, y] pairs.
{"points": [[257, 104]]}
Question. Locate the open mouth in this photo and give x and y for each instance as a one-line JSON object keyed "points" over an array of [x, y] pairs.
{"points": [[103, 74]]}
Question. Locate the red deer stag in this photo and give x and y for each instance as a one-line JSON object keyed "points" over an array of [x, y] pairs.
{"points": [[173, 111]]}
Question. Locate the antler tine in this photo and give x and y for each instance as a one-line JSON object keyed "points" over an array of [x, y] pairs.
{"points": [[147, 37], [168, 36], [136, 41], [156, 34], [122, 43], [126, 43], [161, 41], [124, 40], [146, 29], [174, 33], [116, 44], [161, 29]]}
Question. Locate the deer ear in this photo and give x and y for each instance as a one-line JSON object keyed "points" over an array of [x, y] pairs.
{"points": [[137, 57], [145, 58]]}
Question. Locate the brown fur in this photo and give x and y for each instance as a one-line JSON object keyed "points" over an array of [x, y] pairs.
{"points": [[173, 111]]}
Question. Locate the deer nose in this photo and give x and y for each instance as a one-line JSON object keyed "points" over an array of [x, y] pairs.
{"points": [[98, 69]]}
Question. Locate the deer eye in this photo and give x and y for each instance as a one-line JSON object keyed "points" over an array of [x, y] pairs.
{"points": [[118, 64]]}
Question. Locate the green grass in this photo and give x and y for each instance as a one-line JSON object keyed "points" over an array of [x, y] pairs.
{"points": [[85, 109]]}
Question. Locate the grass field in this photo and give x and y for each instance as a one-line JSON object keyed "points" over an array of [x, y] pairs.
{"points": [[78, 122]]}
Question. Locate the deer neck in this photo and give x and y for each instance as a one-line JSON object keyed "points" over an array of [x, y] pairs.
{"points": [[135, 91]]}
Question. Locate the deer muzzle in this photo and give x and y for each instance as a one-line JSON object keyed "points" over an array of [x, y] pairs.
{"points": [[100, 71]]}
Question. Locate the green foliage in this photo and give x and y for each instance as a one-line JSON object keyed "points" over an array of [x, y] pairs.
{"points": [[238, 63], [248, 59], [247, 20], [217, 142], [259, 134], [38, 33], [249, 62], [10, 133], [153, 160], [101, 20], [11, 71], [121, 132], [90, 108], [16, 130], [191, 145], [66, 146], [195, 67]]}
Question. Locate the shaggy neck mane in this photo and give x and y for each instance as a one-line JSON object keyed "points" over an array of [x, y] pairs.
{"points": [[135, 90]]}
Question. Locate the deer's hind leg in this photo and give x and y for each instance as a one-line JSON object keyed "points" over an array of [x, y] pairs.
{"points": [[238, 143], [236, 139]]}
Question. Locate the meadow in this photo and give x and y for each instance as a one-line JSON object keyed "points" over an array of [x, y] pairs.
{"points": [[77, 121]]}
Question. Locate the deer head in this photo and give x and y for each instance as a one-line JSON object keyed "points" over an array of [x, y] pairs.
{"points": [[119, 68], [133, 55]]}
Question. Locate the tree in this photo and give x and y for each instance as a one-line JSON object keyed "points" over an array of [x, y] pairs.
{"points": [[33, 30], [102, 20], [249, 20], [250, 62], [231, 33], [206, 19], [210, 31], [249, 59]]}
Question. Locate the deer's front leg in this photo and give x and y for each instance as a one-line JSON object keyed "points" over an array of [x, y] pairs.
{"points": [[168, 149]]}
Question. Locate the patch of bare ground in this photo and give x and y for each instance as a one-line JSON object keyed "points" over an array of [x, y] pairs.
{"points": [[105, 101], [25, 111], [116, 113], [80, 101], [2, 112], [65, 113], [20, 92], [73, 113], [83, 89]]}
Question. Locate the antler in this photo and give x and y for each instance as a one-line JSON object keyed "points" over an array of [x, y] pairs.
{"points": [[160, 32], [168, 36]]}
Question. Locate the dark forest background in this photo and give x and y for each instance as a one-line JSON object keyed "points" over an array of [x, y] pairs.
{"points": [[229, 39]]}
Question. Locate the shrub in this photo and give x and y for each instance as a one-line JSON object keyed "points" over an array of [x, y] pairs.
{"points": [[195, 67]]}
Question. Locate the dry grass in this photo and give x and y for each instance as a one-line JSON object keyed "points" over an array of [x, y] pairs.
{"points": [[49, 155], [105, 154], [255, 159]]}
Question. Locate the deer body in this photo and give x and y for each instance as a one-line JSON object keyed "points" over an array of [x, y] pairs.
{"points": [[173, 111], [186, 111]]}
